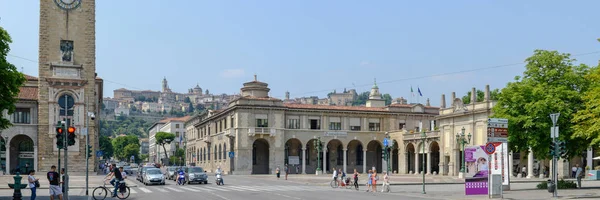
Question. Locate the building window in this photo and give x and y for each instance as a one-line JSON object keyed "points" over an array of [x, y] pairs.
{"points": [[262, 123], [401, 126], [417, 129], [177, 134], [355, 124], [224, 151], [231, 124], [225, 123], [208, 154], [176, 125], [215, 151], [293, 123], [335, 126], [374, 127], [359, 155], [220, 150], [22, 116], [315, 124]]}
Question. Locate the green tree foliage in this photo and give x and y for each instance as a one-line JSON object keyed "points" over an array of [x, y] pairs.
{"points": [[551, 83], [120, 143], [106, 147], [362, 98], [163, 138], [387, 98], [125, 125], [480, 96], [132, 150], [178, 158], [187, 100], [11, 80], [587, 121]]}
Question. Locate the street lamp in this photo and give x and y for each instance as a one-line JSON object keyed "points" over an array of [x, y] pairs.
{"points": [[460, 139], [388, 144], [423, 138], [318, 147]]}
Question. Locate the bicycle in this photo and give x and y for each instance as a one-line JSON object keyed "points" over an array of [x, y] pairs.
{"points": [[334, 184], [385, 187], [100, 192]]}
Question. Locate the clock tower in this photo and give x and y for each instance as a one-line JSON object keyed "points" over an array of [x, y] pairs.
{"points": [[67, 72]]}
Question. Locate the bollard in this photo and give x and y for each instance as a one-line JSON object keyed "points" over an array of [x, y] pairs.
{"points": [[17, 186], [550, 186]]}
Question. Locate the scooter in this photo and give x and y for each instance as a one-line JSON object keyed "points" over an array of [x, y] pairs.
{"points": [[219, 179], [181, 179]]}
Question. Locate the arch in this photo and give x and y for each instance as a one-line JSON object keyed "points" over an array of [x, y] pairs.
{"points": [[410, 158], [395, 158], [335, 153], [21, 154], [355, 156], [293, 149], [313, 159], [260, 156], [434, 148], [374, 159]]}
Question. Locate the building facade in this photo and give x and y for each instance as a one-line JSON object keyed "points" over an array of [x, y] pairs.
{"points": [[258, 133]]}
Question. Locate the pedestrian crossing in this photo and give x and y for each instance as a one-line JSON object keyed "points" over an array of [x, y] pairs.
{"points": [[226, 188]]}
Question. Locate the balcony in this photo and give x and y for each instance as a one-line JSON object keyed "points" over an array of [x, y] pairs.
{"points": [[261, 131], [417, 135], [206, 139], [229, 133]]}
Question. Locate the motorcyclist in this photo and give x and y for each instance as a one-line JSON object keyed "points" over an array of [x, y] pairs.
{"points": [[219, 173], [180, 172]]}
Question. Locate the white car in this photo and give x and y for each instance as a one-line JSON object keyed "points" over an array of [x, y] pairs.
{"points": [[153, 176]]}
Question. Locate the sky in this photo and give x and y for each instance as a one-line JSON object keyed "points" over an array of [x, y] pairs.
{"points": [[312, 47]]}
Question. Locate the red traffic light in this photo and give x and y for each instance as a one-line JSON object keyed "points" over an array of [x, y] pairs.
{"points": [[59, 130], [71, 130]]}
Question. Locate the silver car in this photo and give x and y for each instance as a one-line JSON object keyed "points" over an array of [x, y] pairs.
{"points": [[153, 176]]}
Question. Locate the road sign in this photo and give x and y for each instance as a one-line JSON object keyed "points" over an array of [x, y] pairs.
{"points": [[231, 154], [490, 148], [385, 142], [84, 131], [554, 132], [99, 153]]}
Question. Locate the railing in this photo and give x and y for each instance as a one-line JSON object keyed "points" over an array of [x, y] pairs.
{"points": [[417, 135], [260, 130]]}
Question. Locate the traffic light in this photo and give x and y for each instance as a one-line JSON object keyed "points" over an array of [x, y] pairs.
{"points": [[59, 135], [384, 154], [562, 149], [552, 149], [71, 137], [89, 151]]}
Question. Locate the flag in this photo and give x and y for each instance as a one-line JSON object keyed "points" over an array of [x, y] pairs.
{"points": [[180, 139], [411, 91], [419, 90]]}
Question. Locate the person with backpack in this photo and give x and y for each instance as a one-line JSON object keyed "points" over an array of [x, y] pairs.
{"points": [[33, 184]]}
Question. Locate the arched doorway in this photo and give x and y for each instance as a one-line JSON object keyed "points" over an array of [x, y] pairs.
{"points": [[374, 155], [422, 158], [394, 153], [260, 157], [434, 148], [335, 156], [410, 158], [293, 155], [355, 157], [3, 154], [21, 154]]}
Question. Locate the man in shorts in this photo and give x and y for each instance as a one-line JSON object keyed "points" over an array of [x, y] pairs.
{"points": [[54, 179]]}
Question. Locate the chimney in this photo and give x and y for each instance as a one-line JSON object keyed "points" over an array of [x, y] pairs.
{"points": [[487, 93], [443, 101], [473, 95], [453, 97]]}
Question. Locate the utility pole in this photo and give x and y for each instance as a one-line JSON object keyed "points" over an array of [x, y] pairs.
{"points": [[554, 135]]}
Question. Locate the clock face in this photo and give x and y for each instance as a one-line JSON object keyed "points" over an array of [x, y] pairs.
{"points": [[67, 4]]}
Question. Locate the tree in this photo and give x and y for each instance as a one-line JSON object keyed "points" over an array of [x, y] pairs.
{"points": [[587, 121], [106, 147], [163, 138], [480, 96], [133, 108], [178, 157], [120, 143], [387, 98], [131, 150], [187, 100], [361, 99], [551, 83], [190, 107], [12, 80]]}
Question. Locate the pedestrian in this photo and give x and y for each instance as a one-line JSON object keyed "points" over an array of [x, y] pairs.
{"points": [[573, 172], [277, 172], [523, 172], [286, 171], [62, 178], [579, 173], [355, 179], [54, 187], [33, 184], [369, 180], [375, 179]]}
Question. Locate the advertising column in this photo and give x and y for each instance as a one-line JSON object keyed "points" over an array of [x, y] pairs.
{"points": [[476, 171]]}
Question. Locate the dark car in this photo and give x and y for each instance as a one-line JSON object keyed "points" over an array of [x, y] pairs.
{"points": [[196, 175], [128, 170]]}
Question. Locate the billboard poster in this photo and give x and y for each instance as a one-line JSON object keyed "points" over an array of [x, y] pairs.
{"points": [[499, 161], [477, 170]]}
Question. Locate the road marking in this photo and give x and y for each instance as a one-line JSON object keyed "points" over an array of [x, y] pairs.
{"points": [[145, 190], [176, 190], [251, 188], [216, 187], [201, 188], [132, 191], [159, 189], [190, 189]]}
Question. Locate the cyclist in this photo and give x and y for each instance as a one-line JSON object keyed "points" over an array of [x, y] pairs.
{"points": [[116, 173]]}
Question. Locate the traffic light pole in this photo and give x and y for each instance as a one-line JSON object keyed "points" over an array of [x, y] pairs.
{"points": [[554, 135], [87, 143], [66, 145]]}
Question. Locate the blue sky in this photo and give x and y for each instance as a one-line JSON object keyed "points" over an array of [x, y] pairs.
{"points": [[311, 47]]}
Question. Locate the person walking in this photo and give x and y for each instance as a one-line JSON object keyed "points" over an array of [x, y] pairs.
{"points": [[355, 179], [54, 187], [573, 172], [375, 179], [32, 184], [277, 172], [369, 180], [579, 174]]}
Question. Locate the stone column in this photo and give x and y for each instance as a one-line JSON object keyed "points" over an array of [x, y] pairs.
{"points": [[345, 160], [417, 169], [7, 156], [324, 160], [429, 163], [406, 165], [364, 161], [35, 158], [530, 164], [304, 160], [590, 157], [510, 163]]}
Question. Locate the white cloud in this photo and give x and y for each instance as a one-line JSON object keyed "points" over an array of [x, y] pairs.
{"points": [[232, 73], [365, 63]]}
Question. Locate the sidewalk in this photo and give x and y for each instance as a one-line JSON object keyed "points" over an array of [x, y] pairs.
{"points": [[74, 182]]}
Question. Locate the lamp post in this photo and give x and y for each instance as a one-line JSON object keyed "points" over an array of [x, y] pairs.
{"points": [[318, 147], [185, 150], [460, 139], [423, 138], [388, 144]]}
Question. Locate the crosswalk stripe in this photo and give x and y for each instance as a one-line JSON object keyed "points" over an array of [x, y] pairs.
{"points": [[190, 189], [145, 190], [159, 189], [216, 187], [249, 188], [176, 190], [132, 191], [236, 188], [201, 188]]}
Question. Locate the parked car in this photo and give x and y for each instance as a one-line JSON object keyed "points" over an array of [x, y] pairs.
{"points": [[153, 176], [196, 175], [134, 165]]}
